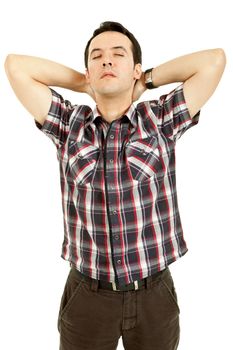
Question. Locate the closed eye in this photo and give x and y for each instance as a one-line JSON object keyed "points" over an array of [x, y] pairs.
{"points": [[116, 54]]}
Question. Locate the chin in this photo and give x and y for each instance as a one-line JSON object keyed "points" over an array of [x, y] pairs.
{"points": [[108, 92]]}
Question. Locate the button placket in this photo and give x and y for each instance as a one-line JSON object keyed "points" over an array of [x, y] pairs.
{"points": [[112, 196]]}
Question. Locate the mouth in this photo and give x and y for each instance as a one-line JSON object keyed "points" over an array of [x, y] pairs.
{"points": [[107, 75]]}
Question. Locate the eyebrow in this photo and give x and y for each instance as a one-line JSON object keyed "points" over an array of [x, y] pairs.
{"points": [[112, 48]]}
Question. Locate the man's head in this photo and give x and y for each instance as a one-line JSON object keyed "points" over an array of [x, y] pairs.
{"points": [[116, 27], [113, 60]]}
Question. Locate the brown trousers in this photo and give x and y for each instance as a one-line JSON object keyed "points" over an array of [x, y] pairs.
{"points": [[93, 318]]}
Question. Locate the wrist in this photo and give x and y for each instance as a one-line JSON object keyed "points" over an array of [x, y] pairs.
{"points": [[149, 79], [81, 84]]}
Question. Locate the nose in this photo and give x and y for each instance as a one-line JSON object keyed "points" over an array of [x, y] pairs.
{"points": [[105, 64]]}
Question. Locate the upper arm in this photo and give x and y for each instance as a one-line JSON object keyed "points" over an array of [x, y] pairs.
{"points": [[35, 96], [199, 88], [172, 114]]}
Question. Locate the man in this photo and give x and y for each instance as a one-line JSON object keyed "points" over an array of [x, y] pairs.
{"points": [[117, 165]]}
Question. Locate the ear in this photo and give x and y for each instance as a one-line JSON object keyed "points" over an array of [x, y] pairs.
{"points": [[137, 71]]}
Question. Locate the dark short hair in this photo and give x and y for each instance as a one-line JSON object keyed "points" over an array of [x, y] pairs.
{"points": [[116, 27]]}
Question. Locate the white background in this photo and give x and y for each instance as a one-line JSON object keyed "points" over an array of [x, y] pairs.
{"points": [[32, 273]]}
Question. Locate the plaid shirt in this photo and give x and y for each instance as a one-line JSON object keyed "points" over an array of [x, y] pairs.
{"points": [[118, 185]]}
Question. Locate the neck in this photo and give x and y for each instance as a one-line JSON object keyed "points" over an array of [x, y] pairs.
{"points": [[113, 108]]}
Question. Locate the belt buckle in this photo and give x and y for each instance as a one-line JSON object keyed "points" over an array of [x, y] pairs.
{"points": [[119, 290]]}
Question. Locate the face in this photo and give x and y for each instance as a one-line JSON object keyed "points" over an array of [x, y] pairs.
{"points": [[111, 70]]}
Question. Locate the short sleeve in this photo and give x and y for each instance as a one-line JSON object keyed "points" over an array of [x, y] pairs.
{"points": [[57, 123], [174, 116]]}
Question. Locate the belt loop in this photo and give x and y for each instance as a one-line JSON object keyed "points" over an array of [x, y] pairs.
{"points": [[94, 285], [148, 281]]}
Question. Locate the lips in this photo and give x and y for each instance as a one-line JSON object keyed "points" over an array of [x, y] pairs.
{"points": [[108, 74]]}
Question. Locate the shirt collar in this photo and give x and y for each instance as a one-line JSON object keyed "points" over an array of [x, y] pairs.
{"points": [[130, 114]]}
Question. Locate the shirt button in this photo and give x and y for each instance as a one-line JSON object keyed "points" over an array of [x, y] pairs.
{"points": [[111, 136], [114, 212], [116, 236], [111, 160], [118, 262]]}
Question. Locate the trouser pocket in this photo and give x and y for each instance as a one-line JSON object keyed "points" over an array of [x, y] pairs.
{"points": [[169, 288], [73, 283]]}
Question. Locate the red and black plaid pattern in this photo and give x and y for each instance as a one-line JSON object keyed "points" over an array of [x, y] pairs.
{"points": [[118, 185]]}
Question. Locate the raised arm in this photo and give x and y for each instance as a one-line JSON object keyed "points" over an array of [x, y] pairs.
{"points": [[30, 77], [200, 71]]}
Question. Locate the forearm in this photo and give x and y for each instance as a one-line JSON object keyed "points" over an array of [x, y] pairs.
{"points": [[46, 72], [183, 67]]}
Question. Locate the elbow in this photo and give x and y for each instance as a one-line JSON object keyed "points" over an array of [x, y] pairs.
{"points": [[220, 57], [10, 63], [8, 60]]}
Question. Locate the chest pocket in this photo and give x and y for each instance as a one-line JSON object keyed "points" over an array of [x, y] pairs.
{"points": [[144, 159], [82, 161]]}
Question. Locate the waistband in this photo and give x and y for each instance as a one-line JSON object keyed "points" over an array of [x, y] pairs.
{"points": [[136, 285]]}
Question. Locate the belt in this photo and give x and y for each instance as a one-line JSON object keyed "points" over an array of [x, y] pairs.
{"points": [[115, 287]]}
